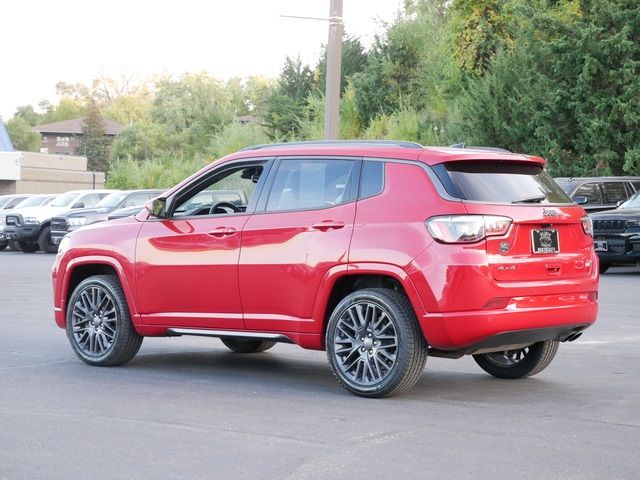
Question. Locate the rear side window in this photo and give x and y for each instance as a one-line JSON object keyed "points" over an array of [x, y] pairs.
{"points": [[636, 185], [591, 191], [310, 183], [372, 180], [614, 192], [500, 182]]}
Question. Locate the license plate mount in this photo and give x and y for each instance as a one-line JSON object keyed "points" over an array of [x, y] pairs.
{"points": [[545, 241]]}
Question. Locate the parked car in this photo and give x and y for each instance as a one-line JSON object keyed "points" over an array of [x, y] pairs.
{"points": [[8, 202], [33, 225], [617, 234], [597, 194], [31, 201], [74, 219], [124, 212], [380, 253]]}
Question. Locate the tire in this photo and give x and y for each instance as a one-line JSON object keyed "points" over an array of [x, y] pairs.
{"points": [[13, 245], [44, 241], [374, 344], [3, 245], [604, 267], [524, 362], [27, 247], [241, 345], [99, 325]]}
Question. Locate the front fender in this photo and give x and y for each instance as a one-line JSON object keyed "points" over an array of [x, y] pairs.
{"points": [[62, 280]]}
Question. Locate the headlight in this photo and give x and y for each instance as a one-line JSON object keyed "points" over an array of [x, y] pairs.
{"points": [[77, 221], [31, 221]]}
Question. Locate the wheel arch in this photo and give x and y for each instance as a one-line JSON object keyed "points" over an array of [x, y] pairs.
{"points": [[340, 282], [81, 268]]}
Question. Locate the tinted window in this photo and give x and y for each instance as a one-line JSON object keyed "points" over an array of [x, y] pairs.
{"points": [[90, 200], [502, 182], [12, 203], [636, 185], [136, 200], [591, 191], [614, 192], [371, 182], [234, 185], [301, 184]]}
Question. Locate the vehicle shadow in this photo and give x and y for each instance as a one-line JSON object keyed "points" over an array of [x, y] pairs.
{"points": [[288, 374]]}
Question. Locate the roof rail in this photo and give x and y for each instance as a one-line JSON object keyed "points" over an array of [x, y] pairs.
{"points": [[490, 149], [390, 143]]}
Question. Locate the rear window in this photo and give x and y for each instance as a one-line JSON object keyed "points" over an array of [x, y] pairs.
{"points": [[500, 182]]}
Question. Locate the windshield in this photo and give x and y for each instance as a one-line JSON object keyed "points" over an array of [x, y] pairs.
{"points": [[633, 202], [32, 201], [112, 200], [65, 199], [501, 182]]}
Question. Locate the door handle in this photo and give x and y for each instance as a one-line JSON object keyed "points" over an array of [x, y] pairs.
{"points": [[222, 232], [327, 225]]}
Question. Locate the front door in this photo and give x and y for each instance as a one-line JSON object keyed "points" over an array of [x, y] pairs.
{"points": [[187, 263]]}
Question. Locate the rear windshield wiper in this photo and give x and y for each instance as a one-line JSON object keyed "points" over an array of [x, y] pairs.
{"points": [[536, 199]]}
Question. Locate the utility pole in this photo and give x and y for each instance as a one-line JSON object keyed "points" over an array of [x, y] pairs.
{"points": [[334, 66]]}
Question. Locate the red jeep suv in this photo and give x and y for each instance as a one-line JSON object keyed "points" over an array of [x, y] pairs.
{"points": [[380, 253]]}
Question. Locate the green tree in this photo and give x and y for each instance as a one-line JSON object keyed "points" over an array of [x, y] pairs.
{"points": [[140, 142], [94, 144], [285, 108], [28, 114], [569, 91], [354, 59], [22, 137], [193, 109]]}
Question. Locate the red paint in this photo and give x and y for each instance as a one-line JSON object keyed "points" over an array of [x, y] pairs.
{"points": [[274, 272]]}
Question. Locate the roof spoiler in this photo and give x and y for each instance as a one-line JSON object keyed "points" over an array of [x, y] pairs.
{"points": [[490, 149]]}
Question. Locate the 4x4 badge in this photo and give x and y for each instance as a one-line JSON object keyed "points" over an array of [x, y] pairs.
{"points": [[504, 247], [550, 212]]}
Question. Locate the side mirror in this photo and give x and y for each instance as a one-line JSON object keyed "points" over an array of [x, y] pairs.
{"points": [[78, 205], [620, 202], [156, 206], [580, 199]]}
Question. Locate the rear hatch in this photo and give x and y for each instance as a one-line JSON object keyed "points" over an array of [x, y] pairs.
{"points": [[547, 238]]}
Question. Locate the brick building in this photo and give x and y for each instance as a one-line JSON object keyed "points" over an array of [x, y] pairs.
{"points": [[62, 138]]}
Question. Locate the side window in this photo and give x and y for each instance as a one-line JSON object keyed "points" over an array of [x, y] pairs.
{"points": [[136, 200], [310, 183], [372, 179], [88, 201], [636, 185], [614, 192], [231, 188], [591, 191]]}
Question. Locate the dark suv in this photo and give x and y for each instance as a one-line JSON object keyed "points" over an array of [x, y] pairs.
{"points": [[596, 194], [380, 253], [617, 234]]}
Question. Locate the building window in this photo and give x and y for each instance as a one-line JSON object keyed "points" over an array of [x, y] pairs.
{"points": [[44, 139], [62, 141]]}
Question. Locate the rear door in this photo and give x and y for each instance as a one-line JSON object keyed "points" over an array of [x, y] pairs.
{"points": [[301, 229], [546, 240]]}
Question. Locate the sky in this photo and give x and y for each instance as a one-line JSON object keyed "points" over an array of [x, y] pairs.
{"points": [[44, 42]]}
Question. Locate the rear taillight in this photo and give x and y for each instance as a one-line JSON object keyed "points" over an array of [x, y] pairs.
{"points": [[587, 225], [466, 228]]}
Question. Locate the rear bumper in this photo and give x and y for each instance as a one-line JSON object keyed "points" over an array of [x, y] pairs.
{"points": [[542, 317]]}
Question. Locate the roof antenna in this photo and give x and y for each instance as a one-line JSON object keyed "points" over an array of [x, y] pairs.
{"points": [[457, 145]]}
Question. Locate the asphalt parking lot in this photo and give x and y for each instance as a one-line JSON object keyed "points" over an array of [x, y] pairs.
{"points": [[188, 408]]}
